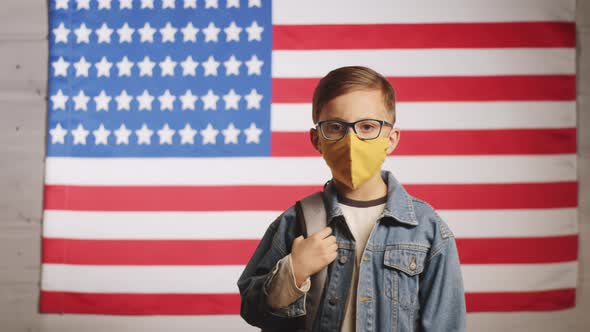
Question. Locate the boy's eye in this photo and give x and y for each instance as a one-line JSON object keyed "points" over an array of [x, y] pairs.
{"points": [[333, 126], [367, 126]]}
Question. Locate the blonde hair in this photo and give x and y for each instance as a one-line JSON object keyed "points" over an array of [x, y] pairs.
{"points": [[351, 78]]}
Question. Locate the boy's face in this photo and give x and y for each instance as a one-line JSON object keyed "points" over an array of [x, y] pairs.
{"points": [[357, 105]]}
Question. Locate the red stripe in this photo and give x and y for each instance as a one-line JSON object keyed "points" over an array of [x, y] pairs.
{"points": [[451, 142], [456, 88], [550, 249], [147, 252], [229, 304], [278, 198], [139, 304], [521, 301], [238, 252], [435, 35]]}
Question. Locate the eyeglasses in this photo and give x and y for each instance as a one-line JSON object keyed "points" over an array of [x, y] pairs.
{"points": [[365, 129]]}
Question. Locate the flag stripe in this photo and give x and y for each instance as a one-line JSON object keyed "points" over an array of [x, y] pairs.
{"points": [[238, 252], [305, 170], [219, 304], [419, 63], [209, 225], [295, 12], [444, 115], [256, 198], [451, 142], [217, 279], [433, 35], [449, 88]]}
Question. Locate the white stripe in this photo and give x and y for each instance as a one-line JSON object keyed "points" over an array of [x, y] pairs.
{"points": [[222, 279], [430, 62], [304, 170], [100, 225], [421, 11], [443, 115], [94, 323], [519, 277]]}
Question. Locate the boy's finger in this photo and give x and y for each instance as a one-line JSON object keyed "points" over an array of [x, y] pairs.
{"points": [[323, 233]]}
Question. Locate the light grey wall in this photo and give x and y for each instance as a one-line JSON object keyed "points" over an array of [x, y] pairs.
{"points": [[23, 76]]}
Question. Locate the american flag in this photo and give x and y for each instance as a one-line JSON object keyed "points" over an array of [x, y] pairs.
{"points": [[178, 131]]}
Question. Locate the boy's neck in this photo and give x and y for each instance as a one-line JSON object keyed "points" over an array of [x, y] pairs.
{"points": [[374, 188]]}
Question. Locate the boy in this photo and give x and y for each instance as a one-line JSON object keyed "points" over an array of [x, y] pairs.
{"points": [[391, 262]]}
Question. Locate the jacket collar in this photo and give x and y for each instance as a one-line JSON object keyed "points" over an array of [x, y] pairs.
{"points": [[399, 203]]}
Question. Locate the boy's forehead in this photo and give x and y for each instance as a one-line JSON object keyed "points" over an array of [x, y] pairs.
{"points": [[354, 105]]}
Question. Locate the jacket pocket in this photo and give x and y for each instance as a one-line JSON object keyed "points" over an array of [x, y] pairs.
{"points": [[403, 265]]}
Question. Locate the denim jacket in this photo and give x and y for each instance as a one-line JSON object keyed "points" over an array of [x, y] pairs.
{"points": [[409, 276]]}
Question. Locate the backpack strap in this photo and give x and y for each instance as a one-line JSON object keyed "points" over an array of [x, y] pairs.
{"points": [[312, 217]]}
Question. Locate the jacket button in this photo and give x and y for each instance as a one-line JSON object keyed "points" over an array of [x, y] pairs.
{"points": [[333, 300], [343, 259]]}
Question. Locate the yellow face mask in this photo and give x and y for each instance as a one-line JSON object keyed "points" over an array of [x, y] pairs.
{"points": [[354, 161]]}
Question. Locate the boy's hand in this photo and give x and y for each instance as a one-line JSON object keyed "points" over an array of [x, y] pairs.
{"points": [[310, 255]]}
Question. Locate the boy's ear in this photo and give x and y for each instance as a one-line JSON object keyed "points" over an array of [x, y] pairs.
{"points": [[313, 136], [394, 135]]}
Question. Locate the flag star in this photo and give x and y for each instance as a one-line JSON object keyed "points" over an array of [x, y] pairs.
{"points": [[125, 33], [147, 33], [190, 3], [82, 4], [168, 4], [144, 135], [104, 4], [168, 32], [232, 66], [166, 134], [210, 101], [122, 135], [167, 101], [252, 134], [188, 100], [104, 33], [210, 66], [102, 101], [231, 100], [187, 135], [125, 4], [254, 3], [167, 66], [211, 4], [253, 99], [61, 4], [103, 67], [254, 31], [189, 66], [60, 67], [123, 101], [231, 134], [146, 67], [101, 135], [209, 134], [189, 33], [147, 4], [59, 100], [232, 32], [254, 65], [145, 101], [211, 32], [58, 134], [82, 67], [233, 4], [61, 33], [82, 34], [80, 135], [81, 101], [125, 67]]}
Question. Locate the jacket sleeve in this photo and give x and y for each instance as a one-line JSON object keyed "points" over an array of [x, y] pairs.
{"points": [[442, 296], [256, 279]]}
